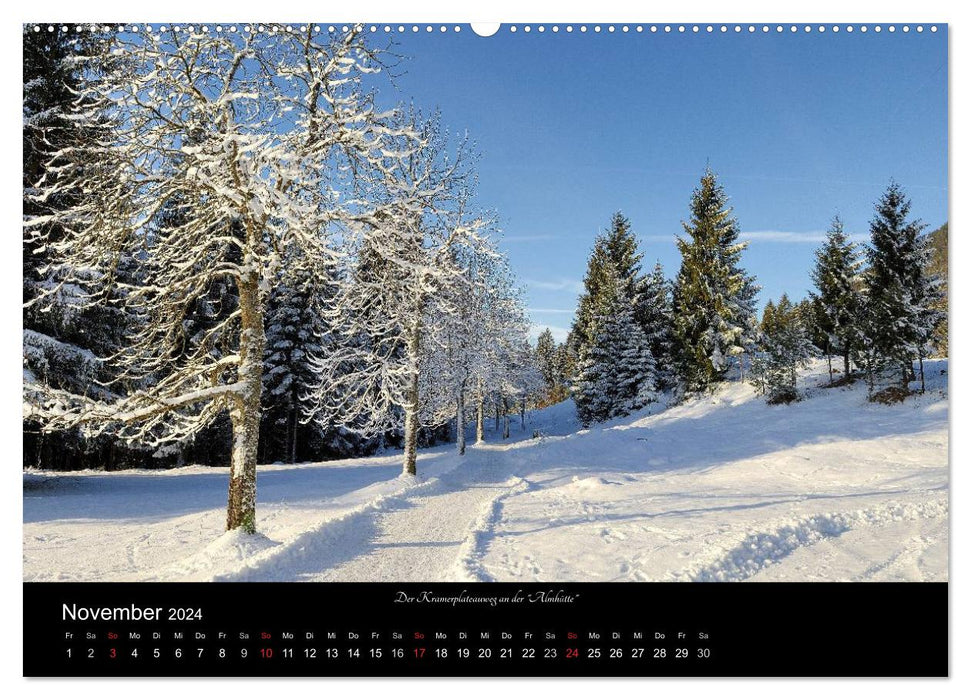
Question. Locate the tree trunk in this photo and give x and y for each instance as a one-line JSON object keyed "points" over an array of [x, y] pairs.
{"points": [[39, 454], [505, 421], [411, 406], [245, 413], [869, 374], [829, 361], [522, 413], [411, 429], [922, 387], [497, 415], [293, 435], [479, 417], [460, 421]]}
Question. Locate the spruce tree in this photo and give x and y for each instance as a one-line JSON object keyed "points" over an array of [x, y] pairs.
{"points": [[548, 362], [929, 298], [900, 297], [294, 333], [566, 360], [616, 371], [810, 315], [714, 298], [769, 320], [937, 267], [838, 301], [65, 335], [784, 348], [614, 253], [654, 315]]}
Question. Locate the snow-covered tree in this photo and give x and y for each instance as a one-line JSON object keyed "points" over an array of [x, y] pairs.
{"points": [[295, 333], [614, 254], [70, 326], [811, 315], [568, 354], [901, 296], [525, 383], [937, 267], [929, 297], [616, 370], [654, 315], [550, 362], [462, 356], [390, 311], [546, 358], [452, 358], [264, 136], [784, 348], [714, 298], [838, 299], [499, 363]]}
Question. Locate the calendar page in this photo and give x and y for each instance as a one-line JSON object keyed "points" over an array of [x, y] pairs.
{"points": [[538, 349]]}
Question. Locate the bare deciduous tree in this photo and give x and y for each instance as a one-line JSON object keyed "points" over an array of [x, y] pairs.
{"points": [[393, 308], [257, 140]]}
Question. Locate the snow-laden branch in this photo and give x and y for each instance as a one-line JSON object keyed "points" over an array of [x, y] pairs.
{"points": [[215, 152]]}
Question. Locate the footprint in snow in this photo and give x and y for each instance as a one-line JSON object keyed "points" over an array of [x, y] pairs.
{"points": [[609, 535]]}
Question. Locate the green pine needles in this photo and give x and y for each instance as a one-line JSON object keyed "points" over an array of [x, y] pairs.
{"points": [[714, 317]]}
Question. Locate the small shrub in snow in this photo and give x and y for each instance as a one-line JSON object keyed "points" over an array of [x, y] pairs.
{"points": [[891, 395]]}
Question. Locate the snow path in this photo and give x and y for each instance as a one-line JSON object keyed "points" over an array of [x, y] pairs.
{"points": [[719, 488], [424, 538], [416, 534]]}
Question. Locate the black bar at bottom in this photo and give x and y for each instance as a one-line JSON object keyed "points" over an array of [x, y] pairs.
{"points": [[454, 629]]}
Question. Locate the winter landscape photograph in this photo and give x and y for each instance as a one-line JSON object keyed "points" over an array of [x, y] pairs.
{"points": [[568, 303]]}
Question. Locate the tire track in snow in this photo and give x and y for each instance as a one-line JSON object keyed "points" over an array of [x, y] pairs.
{"points": [[759, 550]]}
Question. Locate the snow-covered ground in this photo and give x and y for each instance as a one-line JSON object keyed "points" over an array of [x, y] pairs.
{"points": [[718, 488]]}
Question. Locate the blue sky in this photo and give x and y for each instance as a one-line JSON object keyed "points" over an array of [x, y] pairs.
{"points": [[573, 127]]}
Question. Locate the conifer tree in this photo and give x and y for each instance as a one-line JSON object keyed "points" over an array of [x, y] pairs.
{"points": [[810, 314], [900, 295], [769, 320], [838, 300], [548, 361], [654, 315], [929, 297], [64, 339], [784, 348], [295, 332], [616, 371], [614, 253], [566, 361], [937, 267], [714, 298]]}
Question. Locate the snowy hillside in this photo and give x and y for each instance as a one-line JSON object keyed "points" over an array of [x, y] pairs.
{"points": [[718, 488]]}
